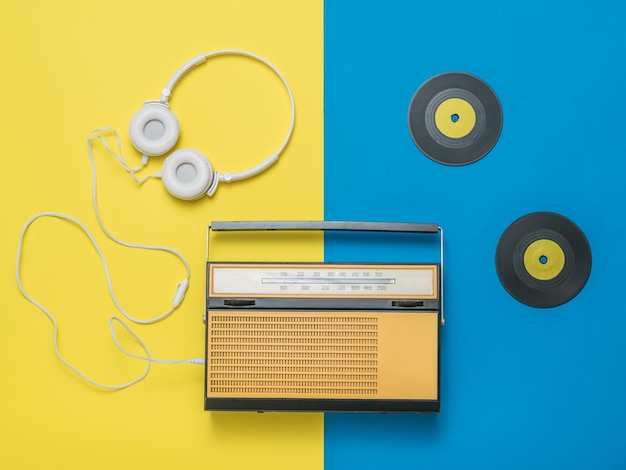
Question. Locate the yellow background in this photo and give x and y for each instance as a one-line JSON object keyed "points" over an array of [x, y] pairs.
{"points": [[69, 67]]}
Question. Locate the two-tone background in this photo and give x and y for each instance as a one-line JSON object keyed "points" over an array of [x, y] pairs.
{"points": [[520, 387]]}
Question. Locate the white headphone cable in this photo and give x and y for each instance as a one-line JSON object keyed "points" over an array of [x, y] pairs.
{"points": [[182, 286], [178, 297], [147, 357], [97, 134]]}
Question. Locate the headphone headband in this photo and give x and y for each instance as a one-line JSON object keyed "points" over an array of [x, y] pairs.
{"points": [[166, 95]]}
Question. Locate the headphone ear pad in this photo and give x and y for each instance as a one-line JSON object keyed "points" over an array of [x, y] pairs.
{"points": [[154, 129], [187, 174]]}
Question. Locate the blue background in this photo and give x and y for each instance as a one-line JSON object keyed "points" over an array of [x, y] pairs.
{"points": [[520, 387]]}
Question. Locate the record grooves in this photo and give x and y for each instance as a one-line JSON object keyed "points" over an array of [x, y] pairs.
{"points": [[455, 118], [543, 259]]}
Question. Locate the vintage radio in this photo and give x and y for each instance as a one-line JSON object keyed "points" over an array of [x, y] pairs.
{"points": [[323, 336]]}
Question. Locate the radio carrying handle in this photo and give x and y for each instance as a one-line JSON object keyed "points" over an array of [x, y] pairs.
{"points": [[341, 226]]}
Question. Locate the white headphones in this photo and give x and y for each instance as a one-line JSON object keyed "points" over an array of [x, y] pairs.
{"points": [[187, 174]]}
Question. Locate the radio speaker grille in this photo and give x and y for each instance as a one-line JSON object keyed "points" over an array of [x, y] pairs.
{"points": [[283, 355]]}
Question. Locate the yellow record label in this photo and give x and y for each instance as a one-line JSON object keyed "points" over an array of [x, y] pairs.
{"points": [[544, 259], [455, 118]]}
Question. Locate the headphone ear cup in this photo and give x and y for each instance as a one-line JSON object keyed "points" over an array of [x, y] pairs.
{"points": [[187, 174], [154, 129]]}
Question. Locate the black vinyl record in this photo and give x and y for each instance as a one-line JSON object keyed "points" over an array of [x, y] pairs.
{"points": [[543, 259], [455, 118]]}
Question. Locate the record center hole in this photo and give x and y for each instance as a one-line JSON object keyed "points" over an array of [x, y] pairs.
{"points": [[454, 117], [543, 259]]}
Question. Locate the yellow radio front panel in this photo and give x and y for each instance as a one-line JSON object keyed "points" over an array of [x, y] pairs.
{"points": [[329, 355]]}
